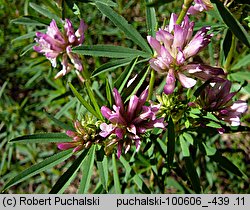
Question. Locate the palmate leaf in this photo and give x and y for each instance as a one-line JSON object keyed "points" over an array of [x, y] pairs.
{"points": [[110, 51], [39, 167], [122, 24], [42, 138], [63, 180], [232, 23]]}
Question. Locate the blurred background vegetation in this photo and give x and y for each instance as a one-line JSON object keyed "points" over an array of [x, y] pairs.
{"points": [[28, 91]]}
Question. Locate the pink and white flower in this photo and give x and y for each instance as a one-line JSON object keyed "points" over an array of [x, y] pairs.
{"points": [[129, 121], [173, 46], [82, 138], [217, 98], [56, 43]]}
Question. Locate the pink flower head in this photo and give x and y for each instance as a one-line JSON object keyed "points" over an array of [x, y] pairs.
{"points": [[129, 121], [217, 98], [82, 138], [200, 6], [55, 43], [173, 45]]}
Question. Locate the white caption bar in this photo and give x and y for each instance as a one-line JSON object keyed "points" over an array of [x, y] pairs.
{"points": [[122, 202]]}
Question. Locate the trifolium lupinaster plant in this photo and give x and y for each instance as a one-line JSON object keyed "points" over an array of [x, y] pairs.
{"points": [[150, 109]]}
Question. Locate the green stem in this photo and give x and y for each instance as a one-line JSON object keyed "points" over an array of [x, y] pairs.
{"points": [[230, 54], [151, 84], [185, 7]]}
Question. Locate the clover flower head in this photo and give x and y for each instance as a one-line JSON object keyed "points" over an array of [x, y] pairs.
{"points": [[173, 46], [83, 137], [55, 43], [129, 121], [218, 99]]}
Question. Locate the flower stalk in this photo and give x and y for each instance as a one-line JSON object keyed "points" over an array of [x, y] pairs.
{"points": [[185, 7]]}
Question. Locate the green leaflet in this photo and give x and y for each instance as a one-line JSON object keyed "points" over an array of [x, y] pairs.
{"points": [[45, 12], [232, 23], [123, 78], [102, 165], [42, 138], [135, 85], [63, 180], [59, 123], [110, 51], [87, 169], [192, 173], [121, 23], [116, 176], [83, 102], [150, 18], [29, 20], [112, 65], [39, 167]]}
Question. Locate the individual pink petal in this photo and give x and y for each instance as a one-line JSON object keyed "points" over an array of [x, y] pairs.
{"points": [[106, 112], [119, 149], [154, 44], [137, 144], [119, 133], [66, 145], [166, 38], [127, 147], [78, 148], [239, 106], [80, 32], [118, 100], [186, 82], [132, 106], [180, 58], [172, 22], [179, 37], [170, 82], [106, 129], [70, 32], [132, 129], [70, 133]]}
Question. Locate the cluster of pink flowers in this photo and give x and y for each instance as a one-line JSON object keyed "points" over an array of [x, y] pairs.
{"points": [[129, 121], [217, 98], [173, 46], [56, 43]]}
